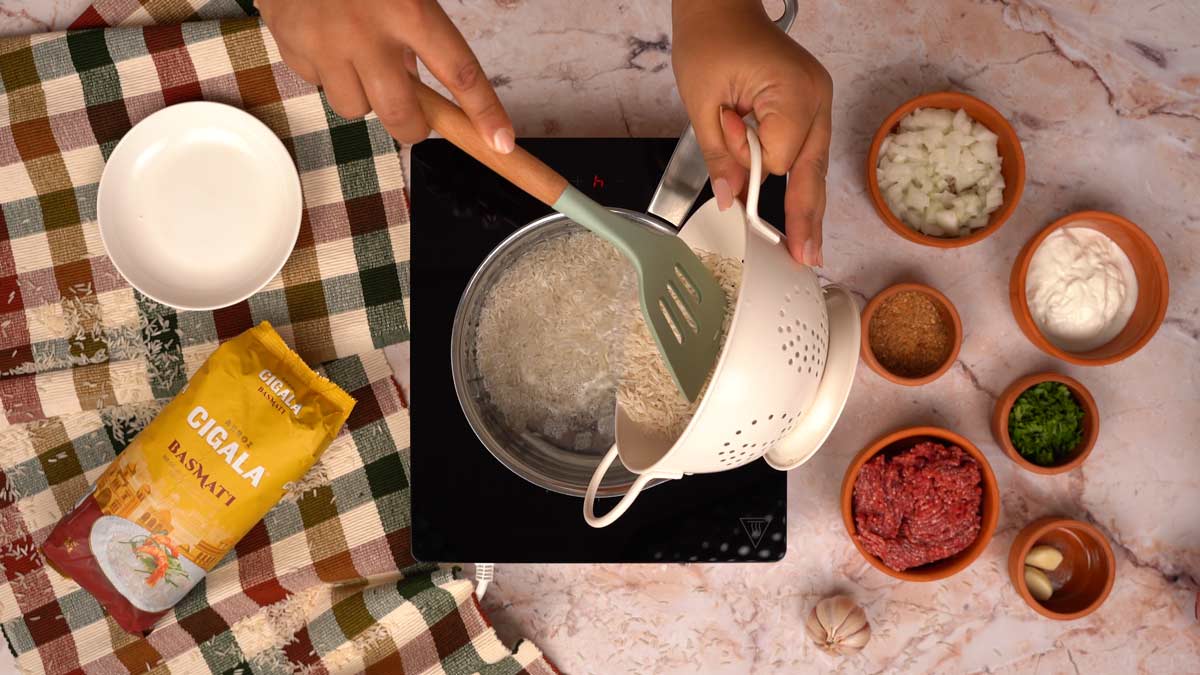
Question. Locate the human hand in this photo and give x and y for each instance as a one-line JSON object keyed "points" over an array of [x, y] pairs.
{"points": [[730, 60], [363, 53]]}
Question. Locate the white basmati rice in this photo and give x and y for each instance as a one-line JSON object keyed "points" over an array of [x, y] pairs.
{"points": [[647, 392], [549, 335], [562, 326]]}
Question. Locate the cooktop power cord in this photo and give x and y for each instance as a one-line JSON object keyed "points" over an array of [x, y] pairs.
{"points": [[484, 573]]}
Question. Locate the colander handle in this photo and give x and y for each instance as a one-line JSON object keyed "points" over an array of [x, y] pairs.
{"points": [[589, 500], [762, 229]]}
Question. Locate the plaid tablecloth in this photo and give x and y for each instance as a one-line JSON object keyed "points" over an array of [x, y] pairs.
{"points": [[73, 335], [326, 582]]}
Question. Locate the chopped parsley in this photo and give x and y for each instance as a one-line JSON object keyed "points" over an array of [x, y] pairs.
{"points": [[1046, 423]]}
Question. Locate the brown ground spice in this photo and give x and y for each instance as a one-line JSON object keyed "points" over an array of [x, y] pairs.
{"points": [[909, 336]]}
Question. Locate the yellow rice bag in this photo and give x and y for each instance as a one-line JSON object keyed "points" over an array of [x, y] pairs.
{"points": [[206, 469]]}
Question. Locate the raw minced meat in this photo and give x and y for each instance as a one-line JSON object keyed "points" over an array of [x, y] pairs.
{"points": [[920, 506]]}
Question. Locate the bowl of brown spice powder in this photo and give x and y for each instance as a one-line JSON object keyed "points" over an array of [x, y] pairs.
{"points": [[911, 334]]}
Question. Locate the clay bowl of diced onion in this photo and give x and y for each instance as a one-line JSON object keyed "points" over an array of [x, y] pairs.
{"points": [[920, 504], [938, 169]]}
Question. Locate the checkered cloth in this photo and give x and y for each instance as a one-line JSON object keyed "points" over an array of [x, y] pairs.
{"points": [[326, 582], [73, 335]]}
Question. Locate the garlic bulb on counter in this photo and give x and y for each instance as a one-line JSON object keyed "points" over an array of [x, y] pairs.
{"points": [[838, 625]]}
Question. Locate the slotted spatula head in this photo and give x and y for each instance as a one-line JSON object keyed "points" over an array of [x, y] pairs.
{"points": [[682, 302]]}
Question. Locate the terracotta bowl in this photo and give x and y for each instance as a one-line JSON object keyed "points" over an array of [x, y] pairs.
{"points": [[949, 314], [1153, 289], [1091, 422], [1012, 165], [1083, 579], [900, 441]]}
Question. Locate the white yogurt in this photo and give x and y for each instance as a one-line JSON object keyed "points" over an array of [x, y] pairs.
{"points": [[1081, 288]]}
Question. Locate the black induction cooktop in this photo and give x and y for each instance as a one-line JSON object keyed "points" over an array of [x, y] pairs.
{"points": [[468, 507]]}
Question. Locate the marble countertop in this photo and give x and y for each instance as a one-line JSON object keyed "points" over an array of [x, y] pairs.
{"points": [[1106, 99]]}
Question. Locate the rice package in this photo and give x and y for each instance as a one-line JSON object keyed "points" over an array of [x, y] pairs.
{"points": [[220, 455]]}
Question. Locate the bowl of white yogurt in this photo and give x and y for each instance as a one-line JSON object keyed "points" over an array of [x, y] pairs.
{"points": [[1090, 289]]}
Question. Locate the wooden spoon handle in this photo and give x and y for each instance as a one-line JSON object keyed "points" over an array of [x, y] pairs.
{"points": [[521, 168]]}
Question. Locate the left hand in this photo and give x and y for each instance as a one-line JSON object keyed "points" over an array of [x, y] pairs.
{"points": [[730, 59]]}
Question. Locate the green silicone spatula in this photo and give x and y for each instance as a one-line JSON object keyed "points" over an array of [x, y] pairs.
{"points": [[681, 300]]}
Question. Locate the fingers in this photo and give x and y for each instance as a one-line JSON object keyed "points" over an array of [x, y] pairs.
{"points": [[410, 62], [727, 174], [392, 95], [299, 65], [733, 131], [446, 54], [804, 200], [343, 89], [782, 138]]}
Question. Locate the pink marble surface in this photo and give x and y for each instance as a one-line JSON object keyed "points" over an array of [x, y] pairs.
{"points": [[1106, 99], [21, 17]]}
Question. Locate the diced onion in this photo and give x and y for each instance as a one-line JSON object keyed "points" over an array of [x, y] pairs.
{"points": [[940, 172]]}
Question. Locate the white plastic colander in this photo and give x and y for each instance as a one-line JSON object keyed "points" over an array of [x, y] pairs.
{"points": [[782, 378]]}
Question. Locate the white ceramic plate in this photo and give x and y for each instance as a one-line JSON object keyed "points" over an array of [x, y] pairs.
{"points": [[199, 205]]}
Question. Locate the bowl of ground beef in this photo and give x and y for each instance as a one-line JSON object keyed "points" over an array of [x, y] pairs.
{"points": [[920, 504]]}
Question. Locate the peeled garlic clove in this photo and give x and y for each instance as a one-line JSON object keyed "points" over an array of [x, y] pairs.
{"points": [[1038, 583], [1044, 557], [838, 625]]}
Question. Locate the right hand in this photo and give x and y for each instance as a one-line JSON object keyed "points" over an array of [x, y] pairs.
{"points": [[364, 53]]}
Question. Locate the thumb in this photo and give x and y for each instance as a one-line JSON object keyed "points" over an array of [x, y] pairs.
{"points": [[727, 174]]}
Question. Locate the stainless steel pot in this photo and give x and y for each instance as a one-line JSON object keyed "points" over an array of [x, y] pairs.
{"points": [[543, 461], [560, 465], [557, 464]]}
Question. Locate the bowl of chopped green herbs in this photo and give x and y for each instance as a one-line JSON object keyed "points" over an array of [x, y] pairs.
{"points": [[1046, 422]]}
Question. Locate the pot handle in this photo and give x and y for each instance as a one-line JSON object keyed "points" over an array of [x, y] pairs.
{"points": [[682, 181], [622, 506]]}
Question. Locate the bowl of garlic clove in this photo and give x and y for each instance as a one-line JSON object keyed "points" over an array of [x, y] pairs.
{"points": [[1064, 569]]}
